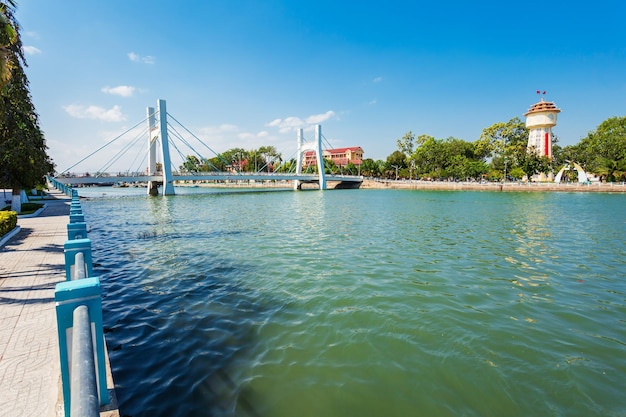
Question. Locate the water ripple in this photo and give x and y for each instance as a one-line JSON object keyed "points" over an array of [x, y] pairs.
{"points": [[364, 303]]}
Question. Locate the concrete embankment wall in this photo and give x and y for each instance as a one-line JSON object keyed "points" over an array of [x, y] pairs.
{"points": [[488, 186]]}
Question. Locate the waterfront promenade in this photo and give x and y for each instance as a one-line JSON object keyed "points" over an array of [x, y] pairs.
{"points": [[31, 264]]}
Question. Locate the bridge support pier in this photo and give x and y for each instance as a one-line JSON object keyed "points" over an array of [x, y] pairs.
{"points": [[168, 180], [153, 188]]}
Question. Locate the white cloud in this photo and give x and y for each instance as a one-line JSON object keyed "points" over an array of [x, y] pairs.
{"points": [[377, 79], [288, 124], [31, 50], [292, 123], [227, 136], [372, 102], [223, 128], [246, 136], [121, 90], [319, 118], [113, 114], [141, 59]]}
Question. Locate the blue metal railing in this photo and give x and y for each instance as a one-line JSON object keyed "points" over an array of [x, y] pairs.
{"points": [[79, 321]]}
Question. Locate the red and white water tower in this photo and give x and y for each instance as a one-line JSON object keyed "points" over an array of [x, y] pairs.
{"points": [[540, 119]]}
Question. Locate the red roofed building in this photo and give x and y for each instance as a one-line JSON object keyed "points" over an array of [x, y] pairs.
{"points": [[340, 156]]}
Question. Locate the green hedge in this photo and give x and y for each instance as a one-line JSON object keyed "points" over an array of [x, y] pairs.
{"points": [[8, 221], [28, 208]]}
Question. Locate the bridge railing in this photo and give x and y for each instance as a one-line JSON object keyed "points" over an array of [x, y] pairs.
{"points": [[114, 175], [79, 322]]}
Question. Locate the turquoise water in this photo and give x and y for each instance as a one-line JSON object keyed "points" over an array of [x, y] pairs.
{"points": [[364, 303]]}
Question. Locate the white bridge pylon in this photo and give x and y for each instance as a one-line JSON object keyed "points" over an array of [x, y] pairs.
{"points": [[155, 132], [317, 148]]}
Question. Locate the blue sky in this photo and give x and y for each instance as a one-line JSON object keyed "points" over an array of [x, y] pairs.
{"points": [[249, 73]]}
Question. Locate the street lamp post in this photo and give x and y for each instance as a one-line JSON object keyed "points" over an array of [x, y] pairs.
{"points": [[504, 155]]}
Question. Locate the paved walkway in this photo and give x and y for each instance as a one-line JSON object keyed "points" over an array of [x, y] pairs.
{"points": [[31, 264]]}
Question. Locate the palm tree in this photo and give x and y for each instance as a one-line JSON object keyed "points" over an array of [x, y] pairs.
{"points": [[10, 42]]}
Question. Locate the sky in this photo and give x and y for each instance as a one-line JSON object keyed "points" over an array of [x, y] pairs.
{"points": [[249, 73]]}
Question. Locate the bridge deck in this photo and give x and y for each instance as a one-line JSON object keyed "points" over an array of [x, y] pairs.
{"points": [[213, 176]]}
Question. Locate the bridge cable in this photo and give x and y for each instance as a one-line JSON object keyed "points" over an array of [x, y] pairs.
{"points": [[104, 146], [199, 140], [141, 163], [198, 154], [145, 156], [176, 134], [121, 153]]}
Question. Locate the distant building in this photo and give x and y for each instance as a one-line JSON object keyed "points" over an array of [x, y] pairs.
{"points": [[340, 156], [540, 119]]}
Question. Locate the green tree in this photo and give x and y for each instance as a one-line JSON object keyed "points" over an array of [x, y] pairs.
{"points": [[428, 157], [235, 158], [606, 147], [370, 168], [287, 166], [505, 143], [532, 164], [495, 137], [24, 161], [406, 143], [9, 37], [395, 162], [351, 169], [271, 157], [191, 164], [330, 167], [217, 164]]}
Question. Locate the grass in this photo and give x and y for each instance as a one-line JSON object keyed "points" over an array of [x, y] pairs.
{"points": [[27, 208]]}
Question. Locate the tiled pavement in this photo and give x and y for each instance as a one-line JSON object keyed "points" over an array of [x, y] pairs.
{"points": [[31, 264]]}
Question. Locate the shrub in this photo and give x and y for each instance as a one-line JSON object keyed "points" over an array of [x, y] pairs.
{"points": [[8, 221]]}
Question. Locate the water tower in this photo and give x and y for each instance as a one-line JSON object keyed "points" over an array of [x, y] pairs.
{"points": [[540, 119]]}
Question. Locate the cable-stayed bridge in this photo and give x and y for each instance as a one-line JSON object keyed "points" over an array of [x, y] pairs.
{"points": [[166, 177]]}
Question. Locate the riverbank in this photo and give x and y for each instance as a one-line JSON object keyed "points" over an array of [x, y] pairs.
{"points": [[491, 186]]}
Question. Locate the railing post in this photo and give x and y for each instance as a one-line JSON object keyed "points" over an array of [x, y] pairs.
{"points": [[75, 207], [83, 385], [68, 295], [71, 248], [77, 218], [76, 230]]}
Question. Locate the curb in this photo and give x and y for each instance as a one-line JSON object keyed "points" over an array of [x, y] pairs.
{"points": [[9, 235]]}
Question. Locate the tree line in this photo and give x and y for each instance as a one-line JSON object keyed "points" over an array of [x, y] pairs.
{"points": [[501, 150], [263, 159]]}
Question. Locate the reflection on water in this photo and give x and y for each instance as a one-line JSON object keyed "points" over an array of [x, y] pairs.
{"points": [[364, 302]]}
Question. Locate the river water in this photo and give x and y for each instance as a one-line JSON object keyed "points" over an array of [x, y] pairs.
{"points": [[363, 302]]}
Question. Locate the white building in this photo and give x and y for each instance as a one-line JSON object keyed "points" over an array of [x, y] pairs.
{"points": [[540, 119]]}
